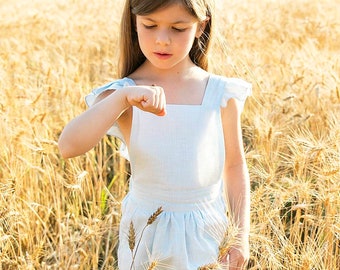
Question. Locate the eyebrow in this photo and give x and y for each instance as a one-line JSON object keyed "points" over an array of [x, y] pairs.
{"points": [[176, 22]]}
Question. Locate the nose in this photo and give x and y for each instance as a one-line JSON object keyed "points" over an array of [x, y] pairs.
{"points": [[163, 38]]}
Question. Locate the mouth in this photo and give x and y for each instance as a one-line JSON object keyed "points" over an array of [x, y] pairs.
{"points": [[162, 55]]}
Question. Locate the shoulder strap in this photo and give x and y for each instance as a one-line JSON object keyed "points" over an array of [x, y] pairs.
{"points": [[214, 91]]}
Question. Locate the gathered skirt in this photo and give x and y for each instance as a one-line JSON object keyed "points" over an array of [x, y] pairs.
{"points": [[185, 235]]}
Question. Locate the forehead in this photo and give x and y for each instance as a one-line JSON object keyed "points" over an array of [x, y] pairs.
{"points": [[174, 13]]}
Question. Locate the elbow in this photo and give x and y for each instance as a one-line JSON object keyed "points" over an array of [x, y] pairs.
{"points": [[66, 148], [72, 144]]}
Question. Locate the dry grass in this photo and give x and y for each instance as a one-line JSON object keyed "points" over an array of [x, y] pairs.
{"points": [[57, 214]]}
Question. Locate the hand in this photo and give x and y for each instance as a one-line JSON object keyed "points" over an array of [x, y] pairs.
{"points": [[237, 257], [147, 98]]}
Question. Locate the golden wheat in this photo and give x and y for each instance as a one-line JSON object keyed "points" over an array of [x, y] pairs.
{"points": [[132, 237], [154, 215], [64, 214], [152, 265]]}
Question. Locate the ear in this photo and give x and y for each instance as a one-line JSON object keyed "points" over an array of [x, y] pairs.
{"points": [[201, 27]]}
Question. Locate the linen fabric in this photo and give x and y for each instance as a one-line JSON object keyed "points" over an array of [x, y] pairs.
{"points": [[176, 163]]}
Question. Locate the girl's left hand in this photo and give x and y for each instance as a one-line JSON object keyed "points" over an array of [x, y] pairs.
{"points": [[237, 257]]}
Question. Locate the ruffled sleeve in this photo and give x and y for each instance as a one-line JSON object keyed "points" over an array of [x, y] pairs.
{"points": [[114, 85], [235, 88]]}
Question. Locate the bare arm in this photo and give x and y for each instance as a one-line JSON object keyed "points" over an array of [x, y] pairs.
{"points": [[83, 132], [236, 182]]}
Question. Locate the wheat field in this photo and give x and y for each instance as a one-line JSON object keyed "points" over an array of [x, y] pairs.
{"points": [[64, 214]]}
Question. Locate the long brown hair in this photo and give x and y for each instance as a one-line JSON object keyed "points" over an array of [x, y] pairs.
{"points": [[131, 56]]}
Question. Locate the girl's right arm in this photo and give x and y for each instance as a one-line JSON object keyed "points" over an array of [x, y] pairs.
{"points": [[83, 132]]}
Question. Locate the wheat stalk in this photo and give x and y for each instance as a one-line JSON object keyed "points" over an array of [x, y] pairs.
{"points": [[150, 221]]}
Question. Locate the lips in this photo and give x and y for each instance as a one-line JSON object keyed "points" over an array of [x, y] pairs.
{"points": [[162, 55]]}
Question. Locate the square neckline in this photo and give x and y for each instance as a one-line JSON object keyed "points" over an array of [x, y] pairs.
{"points": [[207, 87]]}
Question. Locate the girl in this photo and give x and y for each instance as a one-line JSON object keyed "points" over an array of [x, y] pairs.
{"points": [[181, 126]]}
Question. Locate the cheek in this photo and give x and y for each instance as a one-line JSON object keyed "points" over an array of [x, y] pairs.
{"points": [[187, 40], [143, 38]]}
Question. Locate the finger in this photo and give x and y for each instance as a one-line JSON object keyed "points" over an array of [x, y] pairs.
{"points": [[137, 100], [243, 264], [146, 102], [232, 262], [224, 262], [157, 97], [162, 112], [236, 263], [163, 102], [160, 101], [151, 105], [223, 258]]}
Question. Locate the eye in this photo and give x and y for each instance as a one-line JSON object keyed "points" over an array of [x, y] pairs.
{"points": [[149, 26], [179, 29]]}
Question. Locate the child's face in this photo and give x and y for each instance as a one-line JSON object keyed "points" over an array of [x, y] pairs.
{"points": [[166, 35]]}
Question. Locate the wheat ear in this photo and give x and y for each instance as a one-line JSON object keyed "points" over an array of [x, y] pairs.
{"points": [[151, 220]]}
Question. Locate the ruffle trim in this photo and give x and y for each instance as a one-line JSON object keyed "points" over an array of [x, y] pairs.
{"points": [[235, 88]]}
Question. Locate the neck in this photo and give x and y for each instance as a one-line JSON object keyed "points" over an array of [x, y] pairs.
{"points": [[175, 73]]}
